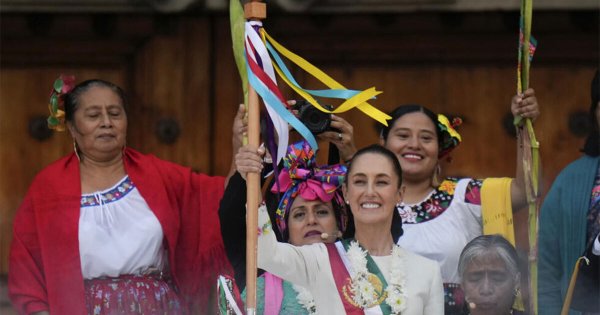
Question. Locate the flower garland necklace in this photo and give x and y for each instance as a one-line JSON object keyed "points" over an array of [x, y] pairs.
{"points": [[363, 290], [305, 299]]}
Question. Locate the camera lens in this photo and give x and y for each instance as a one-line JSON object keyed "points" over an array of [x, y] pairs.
{"points": [[315, 120]]}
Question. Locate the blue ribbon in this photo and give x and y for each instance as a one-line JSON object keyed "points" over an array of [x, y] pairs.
{"points": [[270, 98], [329, 93]]}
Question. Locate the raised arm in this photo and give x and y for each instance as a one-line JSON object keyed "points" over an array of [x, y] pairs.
{"points": [[526, 106]]}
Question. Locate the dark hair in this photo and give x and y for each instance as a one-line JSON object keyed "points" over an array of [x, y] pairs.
{"points": [[396, 219], [407, 109], [489, 244], [72, 98], [592, 143]]}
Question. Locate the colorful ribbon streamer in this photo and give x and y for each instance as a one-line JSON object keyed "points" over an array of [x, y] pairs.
{"points": [[354, 98], [267, 89]]}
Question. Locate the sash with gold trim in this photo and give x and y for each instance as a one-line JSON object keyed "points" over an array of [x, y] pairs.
{"points": [[341, 269]]}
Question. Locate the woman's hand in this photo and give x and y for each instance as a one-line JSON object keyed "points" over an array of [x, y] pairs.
{"points": [[525, 105], [342, 139], [249, 159]]}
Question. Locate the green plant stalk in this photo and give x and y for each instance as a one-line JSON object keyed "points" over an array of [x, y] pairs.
{"points": [[237, 24]]}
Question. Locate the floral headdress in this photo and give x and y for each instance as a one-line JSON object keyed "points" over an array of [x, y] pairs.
{"points": [[450, 137], [301, 176], [62, 86]]}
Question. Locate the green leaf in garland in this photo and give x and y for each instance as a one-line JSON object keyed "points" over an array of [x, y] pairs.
{"points": [[237, 24], [58, 84], [53, 121], [54, 102]]}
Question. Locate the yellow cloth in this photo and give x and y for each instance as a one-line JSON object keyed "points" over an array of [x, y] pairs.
{"points": [[496, 208], [497, 217]]}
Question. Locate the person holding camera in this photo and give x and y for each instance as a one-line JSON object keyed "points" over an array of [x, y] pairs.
{"points": [[329, 127]]}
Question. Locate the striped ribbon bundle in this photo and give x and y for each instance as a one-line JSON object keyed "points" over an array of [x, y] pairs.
{"points": [[262, 59]]}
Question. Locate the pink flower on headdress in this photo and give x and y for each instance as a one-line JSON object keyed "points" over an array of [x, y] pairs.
{"points": [[313, 189]]}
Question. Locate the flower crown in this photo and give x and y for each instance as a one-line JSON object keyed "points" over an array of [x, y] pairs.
{"points": [[450, 137], [61, 86]]}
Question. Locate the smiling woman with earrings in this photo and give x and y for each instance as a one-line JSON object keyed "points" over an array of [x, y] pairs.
{"points": [[365, 271], [108, 230], [440, 215]]}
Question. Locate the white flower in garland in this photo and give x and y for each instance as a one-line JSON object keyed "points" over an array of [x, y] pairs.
{"points": [[396, 297], [362, 289], [364, 293], [305, 299]]}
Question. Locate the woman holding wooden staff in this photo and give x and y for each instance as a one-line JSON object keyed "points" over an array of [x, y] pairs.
{"points": [[366, 272]]}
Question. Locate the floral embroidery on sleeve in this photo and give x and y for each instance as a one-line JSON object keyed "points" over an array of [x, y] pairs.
{"points": [[473, 192], [433, 206], [264, 224]]}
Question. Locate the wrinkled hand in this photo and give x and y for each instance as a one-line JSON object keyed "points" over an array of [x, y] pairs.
{"points": [[343, 140], [525, 105], [249, 159]]}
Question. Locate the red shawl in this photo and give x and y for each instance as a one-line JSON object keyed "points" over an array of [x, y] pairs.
{"points": [[45, 270]]}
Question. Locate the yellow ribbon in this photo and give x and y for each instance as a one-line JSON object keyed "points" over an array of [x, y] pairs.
{"points": [[359, 100]]}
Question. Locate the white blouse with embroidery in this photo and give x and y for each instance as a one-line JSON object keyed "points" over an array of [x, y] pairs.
{"points": [[442, 224], [118, 233]]}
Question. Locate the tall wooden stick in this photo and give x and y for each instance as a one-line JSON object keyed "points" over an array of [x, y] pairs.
{"points": [[253, 10]]}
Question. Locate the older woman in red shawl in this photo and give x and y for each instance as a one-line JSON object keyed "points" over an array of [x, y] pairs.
{"points": [[108, 230]]}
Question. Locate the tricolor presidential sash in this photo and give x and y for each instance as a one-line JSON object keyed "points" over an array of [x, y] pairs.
{"points": [[341, 268]]}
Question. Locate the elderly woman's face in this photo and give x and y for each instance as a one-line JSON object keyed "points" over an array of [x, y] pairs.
{"points": [[99, 124], [489, 285]]}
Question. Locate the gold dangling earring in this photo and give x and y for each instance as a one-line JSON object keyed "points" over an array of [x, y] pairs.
{"points": [[76, 151]]}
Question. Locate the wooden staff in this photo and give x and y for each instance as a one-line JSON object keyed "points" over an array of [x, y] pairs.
{"points": [[253, 10]]}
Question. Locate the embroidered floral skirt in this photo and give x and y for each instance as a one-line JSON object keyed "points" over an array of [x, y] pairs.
{"points": [[130, 294]]}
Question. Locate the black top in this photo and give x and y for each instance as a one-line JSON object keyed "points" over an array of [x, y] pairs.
{"points": [[232, 215]]}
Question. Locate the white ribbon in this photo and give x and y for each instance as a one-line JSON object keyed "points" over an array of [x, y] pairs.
{"points": [[281, 126], [229, 297]]}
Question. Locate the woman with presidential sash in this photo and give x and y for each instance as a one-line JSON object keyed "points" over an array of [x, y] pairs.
{"points": [[366, 272]]}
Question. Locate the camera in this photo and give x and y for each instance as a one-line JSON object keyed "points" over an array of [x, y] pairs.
{"points": [[315, 120]]}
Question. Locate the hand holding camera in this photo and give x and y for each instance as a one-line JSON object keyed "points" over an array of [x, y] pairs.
{"points": [[327, 127]]}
